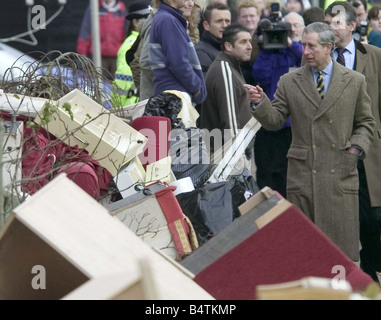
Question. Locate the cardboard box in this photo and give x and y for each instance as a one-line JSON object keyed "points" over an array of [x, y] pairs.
{"points": [[160, 171], [132, 111], [265, 203], [158, 220], [142, 193], [308, 288], [107, 138]]}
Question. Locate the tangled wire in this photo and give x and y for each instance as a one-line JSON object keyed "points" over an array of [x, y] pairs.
{"points": [[51, 77], [55, 75]]}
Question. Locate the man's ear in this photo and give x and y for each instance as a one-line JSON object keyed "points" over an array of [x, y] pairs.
{"points": [[352, 26], [205, 24], [228, 46], [329, 47]]}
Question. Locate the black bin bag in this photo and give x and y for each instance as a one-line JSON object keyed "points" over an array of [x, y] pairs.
{"points": [[214, 206], [164, 104], [190, 157]]}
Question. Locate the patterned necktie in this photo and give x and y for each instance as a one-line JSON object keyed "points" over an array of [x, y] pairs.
{"points": [[340, 58], [320, 84]]}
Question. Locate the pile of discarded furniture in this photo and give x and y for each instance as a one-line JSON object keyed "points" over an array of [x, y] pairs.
{"points": [[126, 204]]}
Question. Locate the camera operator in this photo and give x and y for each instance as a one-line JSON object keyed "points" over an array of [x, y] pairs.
{"points": [[281, 52], [364, 32], [275, 11], [271, 9]]}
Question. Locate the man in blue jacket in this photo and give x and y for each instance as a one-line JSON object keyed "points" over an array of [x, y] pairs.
{"points": [[172, 55]]}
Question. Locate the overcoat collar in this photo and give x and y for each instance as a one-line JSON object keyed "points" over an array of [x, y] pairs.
{"points": [[361, 58], [339, 80]]}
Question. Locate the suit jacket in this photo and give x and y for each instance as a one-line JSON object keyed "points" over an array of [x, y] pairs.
{"points": [[368, 62], [322, 178]]}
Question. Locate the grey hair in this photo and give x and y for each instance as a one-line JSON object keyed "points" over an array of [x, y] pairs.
{"points": [[293, 14], [324, 31]]}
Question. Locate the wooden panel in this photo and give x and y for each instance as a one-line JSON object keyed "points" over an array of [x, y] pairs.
{"points": [[21, 250], [76, 239]]}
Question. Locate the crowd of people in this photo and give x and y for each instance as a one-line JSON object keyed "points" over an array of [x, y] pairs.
{"points": [[310, 75]]}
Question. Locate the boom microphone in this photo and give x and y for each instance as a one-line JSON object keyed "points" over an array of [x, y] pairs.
{"points": [[265, 24]]}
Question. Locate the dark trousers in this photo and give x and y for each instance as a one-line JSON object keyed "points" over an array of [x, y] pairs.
{"points": [[108, 67], [370, 229], [270, 153]]}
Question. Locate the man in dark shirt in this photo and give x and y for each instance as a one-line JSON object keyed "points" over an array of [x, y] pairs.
{"points": [[217, 17], [227, 108]]}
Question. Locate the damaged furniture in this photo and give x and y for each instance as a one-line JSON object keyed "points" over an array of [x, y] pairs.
{"points": [[61, 239], [287, 247]]}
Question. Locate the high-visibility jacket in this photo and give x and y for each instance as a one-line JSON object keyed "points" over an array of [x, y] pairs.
{"points": [[124, 91]]}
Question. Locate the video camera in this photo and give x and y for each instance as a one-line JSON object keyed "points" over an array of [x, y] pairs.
{"points": [[274, 31], [361, 31], [275, 14]]}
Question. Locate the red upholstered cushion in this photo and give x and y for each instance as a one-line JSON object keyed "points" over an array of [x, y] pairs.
{"points": [[43, 154], [157, 130], [83, 174], [288, 248]]}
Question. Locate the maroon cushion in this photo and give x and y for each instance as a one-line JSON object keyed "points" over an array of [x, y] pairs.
{"points": [[156, 129], [83, 174], [288, 248], [44, 156]]}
